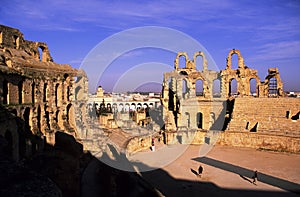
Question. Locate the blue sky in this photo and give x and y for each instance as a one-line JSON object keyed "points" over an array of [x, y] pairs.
{"points": [[266, 32]]}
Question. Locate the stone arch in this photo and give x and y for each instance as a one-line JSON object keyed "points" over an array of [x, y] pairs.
{"points": [[114, 107], [33, 92], [20, 92], [70, 115], [109, 108], [204, 60], [233, 86], [40, 53], [133, 106], [127, 107], [199, 89], [180, 54], [39, 118], [151, 105], [27, 116], [216, 88], [145, 105], [16, 41], [229, 59], [5, 92], [253, 86], [79, 93], [121, 107], [138, 106], [199, 119]]}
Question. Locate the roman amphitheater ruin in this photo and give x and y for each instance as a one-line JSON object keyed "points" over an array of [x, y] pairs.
{"points": [[40, 97]]}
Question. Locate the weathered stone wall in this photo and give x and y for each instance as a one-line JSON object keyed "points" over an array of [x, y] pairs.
{"points": [[237, 139], [272, 115], [260, 141], [34, 88], [138, 143]]}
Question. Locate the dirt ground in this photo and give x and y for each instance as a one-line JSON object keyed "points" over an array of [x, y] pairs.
{"points": [[227, 171]]}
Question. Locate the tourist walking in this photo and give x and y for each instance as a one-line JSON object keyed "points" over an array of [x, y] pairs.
{"points": [[254, 177]]}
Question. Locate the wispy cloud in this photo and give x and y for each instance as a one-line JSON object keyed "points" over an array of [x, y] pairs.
{"points": [[277, 51]]}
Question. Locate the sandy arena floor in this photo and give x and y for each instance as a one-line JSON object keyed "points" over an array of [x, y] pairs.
{"points": [[227, 172]]}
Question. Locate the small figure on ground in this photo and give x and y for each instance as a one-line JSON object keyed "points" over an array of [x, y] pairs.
{"points": [[200, 171], [152, 145], [254, 177]]}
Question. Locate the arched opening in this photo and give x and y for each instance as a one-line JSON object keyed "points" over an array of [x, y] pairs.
{"points": [[217, 88], [171, 95], [27, 118], [16, 40], [199, 63], [121, 107], [56, 89], [68, 93], [114, 108], [39, 118], [273, 87], [41, 53], [139, 106], [233, 87], [132, 107], [45, 89], [199, 87], [253, 87], [182, 61], [127, 107], [33, 92], [184, 88], [5, 92], [109, 109], [234, 61], [145, 105], [70, 115], [20, 92], [151, 105], [78, 93], [200, 120]]}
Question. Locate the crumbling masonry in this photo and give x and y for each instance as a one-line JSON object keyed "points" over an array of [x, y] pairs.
{"points": [[37, 91], [190, 105]]}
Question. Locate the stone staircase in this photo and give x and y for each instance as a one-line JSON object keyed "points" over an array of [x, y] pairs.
{"points": [[270, 115]]}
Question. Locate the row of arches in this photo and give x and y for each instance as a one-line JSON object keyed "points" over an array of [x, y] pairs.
{"points": [[123, 107], [199, 61], [26, 91], [200, 87], [253, 87], [44, 120]]}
